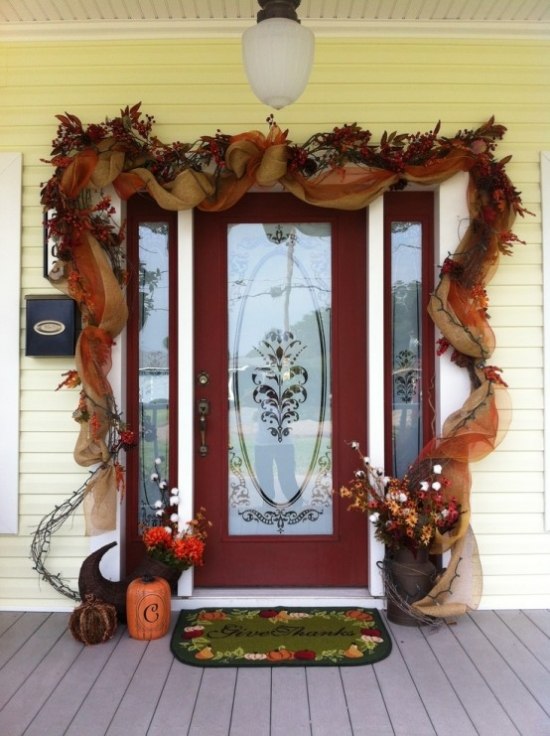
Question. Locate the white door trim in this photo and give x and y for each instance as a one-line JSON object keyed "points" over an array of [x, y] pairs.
{"points": [[451, 213]]}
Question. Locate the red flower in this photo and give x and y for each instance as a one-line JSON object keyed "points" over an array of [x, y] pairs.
{"points": [[157, 536], [189, 549], [492, 373]]}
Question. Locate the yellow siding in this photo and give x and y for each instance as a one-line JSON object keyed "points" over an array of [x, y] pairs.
{"points": [[194, 87]]}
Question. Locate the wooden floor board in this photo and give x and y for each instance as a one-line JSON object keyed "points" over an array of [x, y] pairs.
{"points": [[497, 655], [106, 693], [143, 692], [488, 674], [29, 655], [367, 710], [475, 694], [406, 710], [252, 703], [57, 713], [7, 620], [327, 702], [289, 703], [447, 714], [18, 633], [34, 692], [541, 619], [176, 706], [532, 670], [213, 709], [527, 631]]}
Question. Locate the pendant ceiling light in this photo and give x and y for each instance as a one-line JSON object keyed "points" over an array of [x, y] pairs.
{"points": [[278, 53]]}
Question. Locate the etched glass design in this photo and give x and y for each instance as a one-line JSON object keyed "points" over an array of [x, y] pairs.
{"points": [[279, 310], [406, 305], [154, 397]]}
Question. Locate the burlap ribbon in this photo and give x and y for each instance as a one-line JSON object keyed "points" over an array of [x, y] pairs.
{"points": [[90, 280], [465, 327], [253, 158], [459, 588]]}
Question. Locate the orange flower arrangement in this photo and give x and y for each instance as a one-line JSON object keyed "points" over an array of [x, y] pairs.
{"points": [[166, 542], [181, 550]]}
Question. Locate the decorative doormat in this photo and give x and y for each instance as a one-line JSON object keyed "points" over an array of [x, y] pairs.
{"points": [[266, 637]]}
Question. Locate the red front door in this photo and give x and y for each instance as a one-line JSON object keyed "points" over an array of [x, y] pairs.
{"points": [[280, 366]]}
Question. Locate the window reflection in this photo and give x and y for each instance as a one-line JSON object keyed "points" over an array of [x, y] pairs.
{"points": [[406, 310], [153, 362], [279, 302]]}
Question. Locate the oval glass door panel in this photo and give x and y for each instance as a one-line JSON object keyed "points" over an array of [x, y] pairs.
{"points": [[279, 317]]}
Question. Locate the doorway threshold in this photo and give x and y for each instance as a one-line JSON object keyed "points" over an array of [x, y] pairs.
{"points": [[298, 597]]}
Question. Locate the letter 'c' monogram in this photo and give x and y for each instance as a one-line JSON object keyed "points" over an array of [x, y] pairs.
{"points": [[150, 613]]}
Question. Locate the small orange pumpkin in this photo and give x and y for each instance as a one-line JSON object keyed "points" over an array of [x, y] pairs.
{"points": [[205, 653], [148, 607], [280, 655], [359, 615], [212, 616], [353, 652]]}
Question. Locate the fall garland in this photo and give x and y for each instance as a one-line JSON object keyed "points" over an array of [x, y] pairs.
{"points": [[341, 169]]}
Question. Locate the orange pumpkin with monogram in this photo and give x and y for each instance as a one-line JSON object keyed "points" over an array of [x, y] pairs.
{"points": [[148, 607]]}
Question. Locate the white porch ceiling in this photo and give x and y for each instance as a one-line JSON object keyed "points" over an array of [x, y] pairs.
{"points": [[65, 19]]}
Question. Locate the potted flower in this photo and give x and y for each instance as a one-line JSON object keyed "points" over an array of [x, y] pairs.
{"points": [[408, 513], [171, 549]]}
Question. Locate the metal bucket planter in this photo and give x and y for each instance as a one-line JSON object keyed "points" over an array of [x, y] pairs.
{"points": [[410, 576]]}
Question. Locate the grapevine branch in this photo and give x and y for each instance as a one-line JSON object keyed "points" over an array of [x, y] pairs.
{"points": [[50, 524], [118, 438]]}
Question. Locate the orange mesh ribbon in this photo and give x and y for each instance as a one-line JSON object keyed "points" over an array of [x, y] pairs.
{"points": [[346, 189], [468, 435], [252, 158], [459, 319], [438, 170], [93, 285], [79, 172]]}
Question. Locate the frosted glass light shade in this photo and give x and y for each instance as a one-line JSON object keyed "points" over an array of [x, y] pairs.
{"points": [[278, 56]]}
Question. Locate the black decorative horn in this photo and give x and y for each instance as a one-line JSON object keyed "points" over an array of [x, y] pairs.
{"points": [[92, 581]]}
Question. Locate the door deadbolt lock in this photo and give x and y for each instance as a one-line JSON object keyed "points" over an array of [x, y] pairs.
{"points": [[203, 411]]}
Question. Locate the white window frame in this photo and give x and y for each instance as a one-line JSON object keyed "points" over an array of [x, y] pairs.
{"points": [[11, 168]]}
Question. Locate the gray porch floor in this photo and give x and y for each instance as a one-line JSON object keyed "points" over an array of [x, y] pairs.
{"points": [[488, 673]]}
